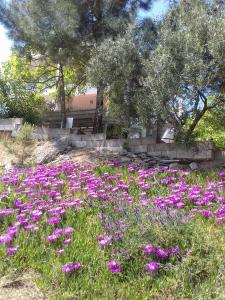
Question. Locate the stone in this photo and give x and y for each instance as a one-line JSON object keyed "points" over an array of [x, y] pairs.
{"points": [[173, 165], [49, 150], [124, 159], [194, 166]]}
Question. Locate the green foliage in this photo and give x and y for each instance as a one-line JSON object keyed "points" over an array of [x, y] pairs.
{"points": [[197, 275], [22, 146], [25, 134], [66, 32], [187, 66], [118, 64], [212, 127], [18, 97]]}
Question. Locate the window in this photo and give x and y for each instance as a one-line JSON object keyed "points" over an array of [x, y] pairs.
{"points": [[91, 102]]}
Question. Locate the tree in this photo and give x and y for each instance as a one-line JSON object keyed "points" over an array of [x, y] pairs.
{"points": [[118, 64], [46, 28], [212, 127], [187, 67], [63, 30], [103, 20], [18, 98]]}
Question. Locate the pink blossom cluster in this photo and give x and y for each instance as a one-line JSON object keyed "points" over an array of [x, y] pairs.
{"points": [[40, 199]]}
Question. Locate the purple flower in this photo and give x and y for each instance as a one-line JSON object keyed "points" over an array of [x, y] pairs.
{"points": [[68, 230], [104, 243], [67, 241], [114, 267], [57, 231], [71, 267], [143, 202], [53, 221], [31, 227], [149, 249], [175, 251], [5, 239], [152, 266], [222, 174], [10, 251], [162, 253], [60, 251], [52, 238]]}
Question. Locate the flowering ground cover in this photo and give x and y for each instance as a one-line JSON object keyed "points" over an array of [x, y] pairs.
{"points": [[114, 232]]}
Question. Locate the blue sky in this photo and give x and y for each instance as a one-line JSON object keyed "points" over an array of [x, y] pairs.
{"points": [[159, 8]]}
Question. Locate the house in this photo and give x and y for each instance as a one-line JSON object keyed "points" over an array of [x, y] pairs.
{"points": [[86, 101]]}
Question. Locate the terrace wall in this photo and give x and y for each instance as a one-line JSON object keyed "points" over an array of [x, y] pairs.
{"points": [[10, 125], [200, 151]]}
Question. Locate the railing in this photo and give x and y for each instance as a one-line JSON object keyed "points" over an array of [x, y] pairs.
{"points": [[82, 118]]}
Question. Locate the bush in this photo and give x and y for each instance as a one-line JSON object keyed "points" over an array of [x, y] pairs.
{"points": [[25, 135], [23, 144], [212, 127]]}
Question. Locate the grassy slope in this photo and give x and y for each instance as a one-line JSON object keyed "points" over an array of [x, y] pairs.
{"points": [[200, 275]]}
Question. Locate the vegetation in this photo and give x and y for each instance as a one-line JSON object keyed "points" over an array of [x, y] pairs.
{"points": [[149, 72], [65, 33], [21, 147], [18, 98], [186, 70], [112, 232]]}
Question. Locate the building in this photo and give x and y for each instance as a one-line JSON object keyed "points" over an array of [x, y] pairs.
{"points": [[86, 101]]}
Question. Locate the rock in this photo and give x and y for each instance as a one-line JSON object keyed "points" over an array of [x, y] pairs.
{"points": [[173, 165], [131, 155], [49, 150], [206, 165], [194, 166], [69, 148], [124, 159]]}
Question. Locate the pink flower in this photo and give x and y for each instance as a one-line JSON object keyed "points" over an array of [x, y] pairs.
{"points": [[31, 227], [68, 230], [149, 249], [114, 267], [5, 239], [52, 238], [54, 220], [71, 267], [60, 251], [67, 241], [152, 266], [143, 202], [10, 251]]}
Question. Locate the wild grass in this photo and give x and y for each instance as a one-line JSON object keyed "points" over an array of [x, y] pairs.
{"points": [[197, 272]]}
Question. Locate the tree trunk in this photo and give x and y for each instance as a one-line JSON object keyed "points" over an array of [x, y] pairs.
{"points": [[194, 124], [97, 126], [62, 96]]}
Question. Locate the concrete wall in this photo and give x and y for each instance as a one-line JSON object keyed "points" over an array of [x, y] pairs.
{"points": [[140, 145], [199, 151], [220, 155], [44, 133], [10, 125], [97, 141]]}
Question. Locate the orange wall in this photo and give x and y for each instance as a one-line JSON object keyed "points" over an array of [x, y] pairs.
{"points": [[81, 102]]}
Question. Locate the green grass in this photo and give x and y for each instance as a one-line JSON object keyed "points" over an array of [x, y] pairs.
{"points": [[198, 275]]}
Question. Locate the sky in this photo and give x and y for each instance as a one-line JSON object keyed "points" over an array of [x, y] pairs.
{"points": [[159, 8]]}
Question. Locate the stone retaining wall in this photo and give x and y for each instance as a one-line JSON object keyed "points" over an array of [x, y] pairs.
{"points": [[44, 133], [219, 155], [200, 151], [10, 125]]}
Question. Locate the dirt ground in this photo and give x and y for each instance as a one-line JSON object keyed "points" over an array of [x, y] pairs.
{"points": [[20, 287], [5, 156]]}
